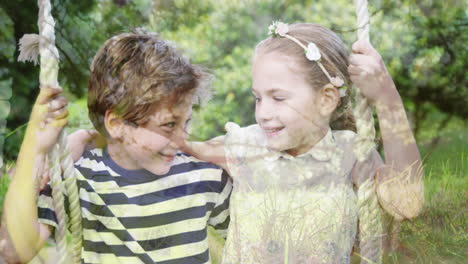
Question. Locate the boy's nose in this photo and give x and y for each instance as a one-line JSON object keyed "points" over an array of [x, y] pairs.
{"points": [[178, 138]]}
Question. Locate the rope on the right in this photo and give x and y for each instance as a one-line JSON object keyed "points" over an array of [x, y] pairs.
{"points": [[370, 223], [363, 111]]}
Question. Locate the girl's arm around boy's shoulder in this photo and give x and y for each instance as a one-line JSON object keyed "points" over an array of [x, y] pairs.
{"points": [[211, 150], [221, 150], [400, 185]]}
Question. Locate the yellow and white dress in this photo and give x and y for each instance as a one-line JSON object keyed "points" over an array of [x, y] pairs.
{"points": [[287, 209]]}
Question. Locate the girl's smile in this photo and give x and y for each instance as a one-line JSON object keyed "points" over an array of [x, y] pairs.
{"points": [[272, 131]]}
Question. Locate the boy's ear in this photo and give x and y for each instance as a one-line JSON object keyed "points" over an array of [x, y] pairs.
{"points": [[113, 124], [329, 98]]}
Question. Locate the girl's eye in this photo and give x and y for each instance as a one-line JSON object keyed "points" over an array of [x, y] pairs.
{"points": [[278, 99]]}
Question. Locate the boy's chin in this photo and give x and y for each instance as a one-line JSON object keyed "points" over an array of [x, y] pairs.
{"points": [[159, 169]]}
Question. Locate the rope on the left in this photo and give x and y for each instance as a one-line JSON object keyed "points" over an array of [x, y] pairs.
{"points": [[44, 44]]}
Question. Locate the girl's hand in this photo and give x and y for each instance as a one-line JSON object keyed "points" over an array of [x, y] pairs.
{"points": [[48, 118], [368, 72]]}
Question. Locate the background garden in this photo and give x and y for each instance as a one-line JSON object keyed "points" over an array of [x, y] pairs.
{"points": [[423, 43]]}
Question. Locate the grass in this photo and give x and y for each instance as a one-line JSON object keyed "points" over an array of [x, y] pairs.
{"points": [[440, 233]]}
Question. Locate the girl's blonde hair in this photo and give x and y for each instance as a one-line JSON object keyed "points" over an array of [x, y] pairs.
{"points": [[334, 59]]}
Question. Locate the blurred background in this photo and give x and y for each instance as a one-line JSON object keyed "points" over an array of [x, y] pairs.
{"points": [[423, 43]]}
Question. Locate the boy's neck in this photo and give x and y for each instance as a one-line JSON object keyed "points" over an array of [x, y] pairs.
{"points": [[121, 157]]}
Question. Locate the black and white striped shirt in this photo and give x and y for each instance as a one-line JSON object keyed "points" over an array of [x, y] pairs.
{"points": [[139, 217]]}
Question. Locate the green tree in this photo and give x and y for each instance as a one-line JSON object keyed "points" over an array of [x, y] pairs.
{"points": [[422, 43], [432, 71]]}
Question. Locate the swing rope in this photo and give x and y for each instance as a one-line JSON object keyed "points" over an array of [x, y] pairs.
{"points": [[59, 158], [370, 223]]}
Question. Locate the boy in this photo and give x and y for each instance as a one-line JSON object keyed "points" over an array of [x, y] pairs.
{"points": [[141, 201]]}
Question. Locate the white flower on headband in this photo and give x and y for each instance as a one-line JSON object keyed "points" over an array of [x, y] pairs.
{"points": [[278, 29], [337, 81], [313, 52], [282, 29]]}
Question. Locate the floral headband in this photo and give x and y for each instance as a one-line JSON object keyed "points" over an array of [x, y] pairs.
{"points": [[312, 52]]}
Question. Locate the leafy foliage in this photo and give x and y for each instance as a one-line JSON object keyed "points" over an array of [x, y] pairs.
{"points": [[422, 43]]}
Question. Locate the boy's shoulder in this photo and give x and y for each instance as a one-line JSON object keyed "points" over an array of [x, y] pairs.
{"points": [[96, 155], [96, 161], [97, 165], [210, 174]]}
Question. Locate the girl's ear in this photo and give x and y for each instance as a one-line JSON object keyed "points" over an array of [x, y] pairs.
{"points": [[114, 125], [329, 98]]}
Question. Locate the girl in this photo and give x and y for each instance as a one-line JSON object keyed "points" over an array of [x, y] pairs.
{"points": [[299, 186]]}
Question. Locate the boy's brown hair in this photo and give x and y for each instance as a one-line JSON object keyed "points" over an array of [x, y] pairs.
{"points": [[133, 72]]}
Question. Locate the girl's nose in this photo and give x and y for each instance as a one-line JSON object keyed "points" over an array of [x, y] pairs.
{"points": [[264, 110]]}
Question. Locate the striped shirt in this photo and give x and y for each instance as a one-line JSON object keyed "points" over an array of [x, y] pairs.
{"points": [[139, 217]]}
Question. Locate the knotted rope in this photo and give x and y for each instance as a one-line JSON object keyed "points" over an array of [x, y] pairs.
{"points": [[44, 44]]}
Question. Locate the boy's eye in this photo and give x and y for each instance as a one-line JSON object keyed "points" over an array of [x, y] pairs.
{"points": [[170, 124], [187, 123]]}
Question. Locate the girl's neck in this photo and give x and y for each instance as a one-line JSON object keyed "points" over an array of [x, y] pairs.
{"points": [[304, 148]]}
